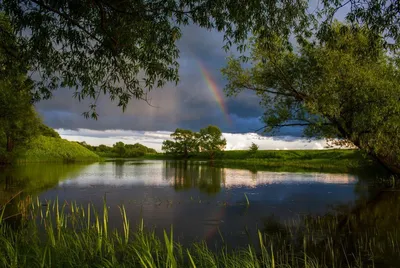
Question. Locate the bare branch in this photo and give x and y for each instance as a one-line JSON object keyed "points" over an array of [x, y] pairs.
{"points": [[266, 90], [148, 101], [291, 125]]}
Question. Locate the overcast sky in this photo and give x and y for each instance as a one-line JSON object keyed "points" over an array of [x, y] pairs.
{"points": [[191, 104]]}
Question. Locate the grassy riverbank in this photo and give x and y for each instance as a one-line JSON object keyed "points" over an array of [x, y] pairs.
{"points": [[285, 160], [334, 161], [50, 235], [49, 149]]}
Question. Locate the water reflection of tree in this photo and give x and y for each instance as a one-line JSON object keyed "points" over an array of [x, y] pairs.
{"points": [[187, 175], [119, 168], [25, 182]]}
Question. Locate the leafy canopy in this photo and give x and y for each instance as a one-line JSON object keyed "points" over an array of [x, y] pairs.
{"points": [[253, 148], [186, 142], [18, 119], [119, 148], [124, 48], [343, 84], [211, 140]]}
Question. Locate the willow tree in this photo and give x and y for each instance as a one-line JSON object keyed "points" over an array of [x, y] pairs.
{"points": [[342, 84], [18, 119], [124, 48]]}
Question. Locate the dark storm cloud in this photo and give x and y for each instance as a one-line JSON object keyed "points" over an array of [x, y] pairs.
{"points": [[244, 105], [190, 104]]}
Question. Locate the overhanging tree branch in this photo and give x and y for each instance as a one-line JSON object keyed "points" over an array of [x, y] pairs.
{"points": [[293, 125], [68, 18], [263, 90]]}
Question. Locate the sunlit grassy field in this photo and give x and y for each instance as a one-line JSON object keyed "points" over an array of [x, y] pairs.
{"points": [[285, 160], [48, 149]]}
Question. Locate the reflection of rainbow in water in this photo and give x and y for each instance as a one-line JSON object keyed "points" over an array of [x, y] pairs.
{"points": [[217, 217]]}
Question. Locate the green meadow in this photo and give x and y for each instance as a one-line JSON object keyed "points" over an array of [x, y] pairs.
{"points": [[49, 149], [335, 160]]}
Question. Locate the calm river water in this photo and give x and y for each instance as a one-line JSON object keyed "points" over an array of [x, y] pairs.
{"points": [[199, 201]]}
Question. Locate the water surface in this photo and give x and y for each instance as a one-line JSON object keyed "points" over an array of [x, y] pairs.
{"points": [[199, 201]]}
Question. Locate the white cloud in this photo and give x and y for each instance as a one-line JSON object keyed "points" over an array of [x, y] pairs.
{"points": [[154, 139], [243, 141]]}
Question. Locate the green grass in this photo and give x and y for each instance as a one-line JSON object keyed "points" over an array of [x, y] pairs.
{"points": [[48, 149], [333, 161], [276, 155], [68, 235]]}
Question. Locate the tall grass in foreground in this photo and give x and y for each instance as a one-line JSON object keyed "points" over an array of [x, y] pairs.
{"points": [[69, 235]]}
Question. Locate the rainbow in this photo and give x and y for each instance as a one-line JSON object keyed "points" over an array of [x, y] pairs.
{"points": [[212, 86]]}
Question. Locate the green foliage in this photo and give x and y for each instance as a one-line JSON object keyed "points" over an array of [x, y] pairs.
{"points": [[141, 148], [185, 143], [12, 66], [341, 84], [19, 122], [138, 150], [18, 119], [48, 131], [331, 161], [119, 148], [87, 146], [211, 141], [379, 16], [124, 48], [103, 148], [253, 148], [48, 149]]}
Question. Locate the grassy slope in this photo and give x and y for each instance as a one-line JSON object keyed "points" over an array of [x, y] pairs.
{"points": [[48, 149]]}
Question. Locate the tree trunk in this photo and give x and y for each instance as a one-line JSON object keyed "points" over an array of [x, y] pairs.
{"points": [[186, 154], [212, 154], [10, 144], [391, 166]]}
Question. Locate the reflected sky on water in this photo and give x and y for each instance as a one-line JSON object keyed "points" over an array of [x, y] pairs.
{"points": [[200, 201]]}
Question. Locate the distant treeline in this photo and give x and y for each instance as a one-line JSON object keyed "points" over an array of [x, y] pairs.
{"points": [[120, 150]]}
